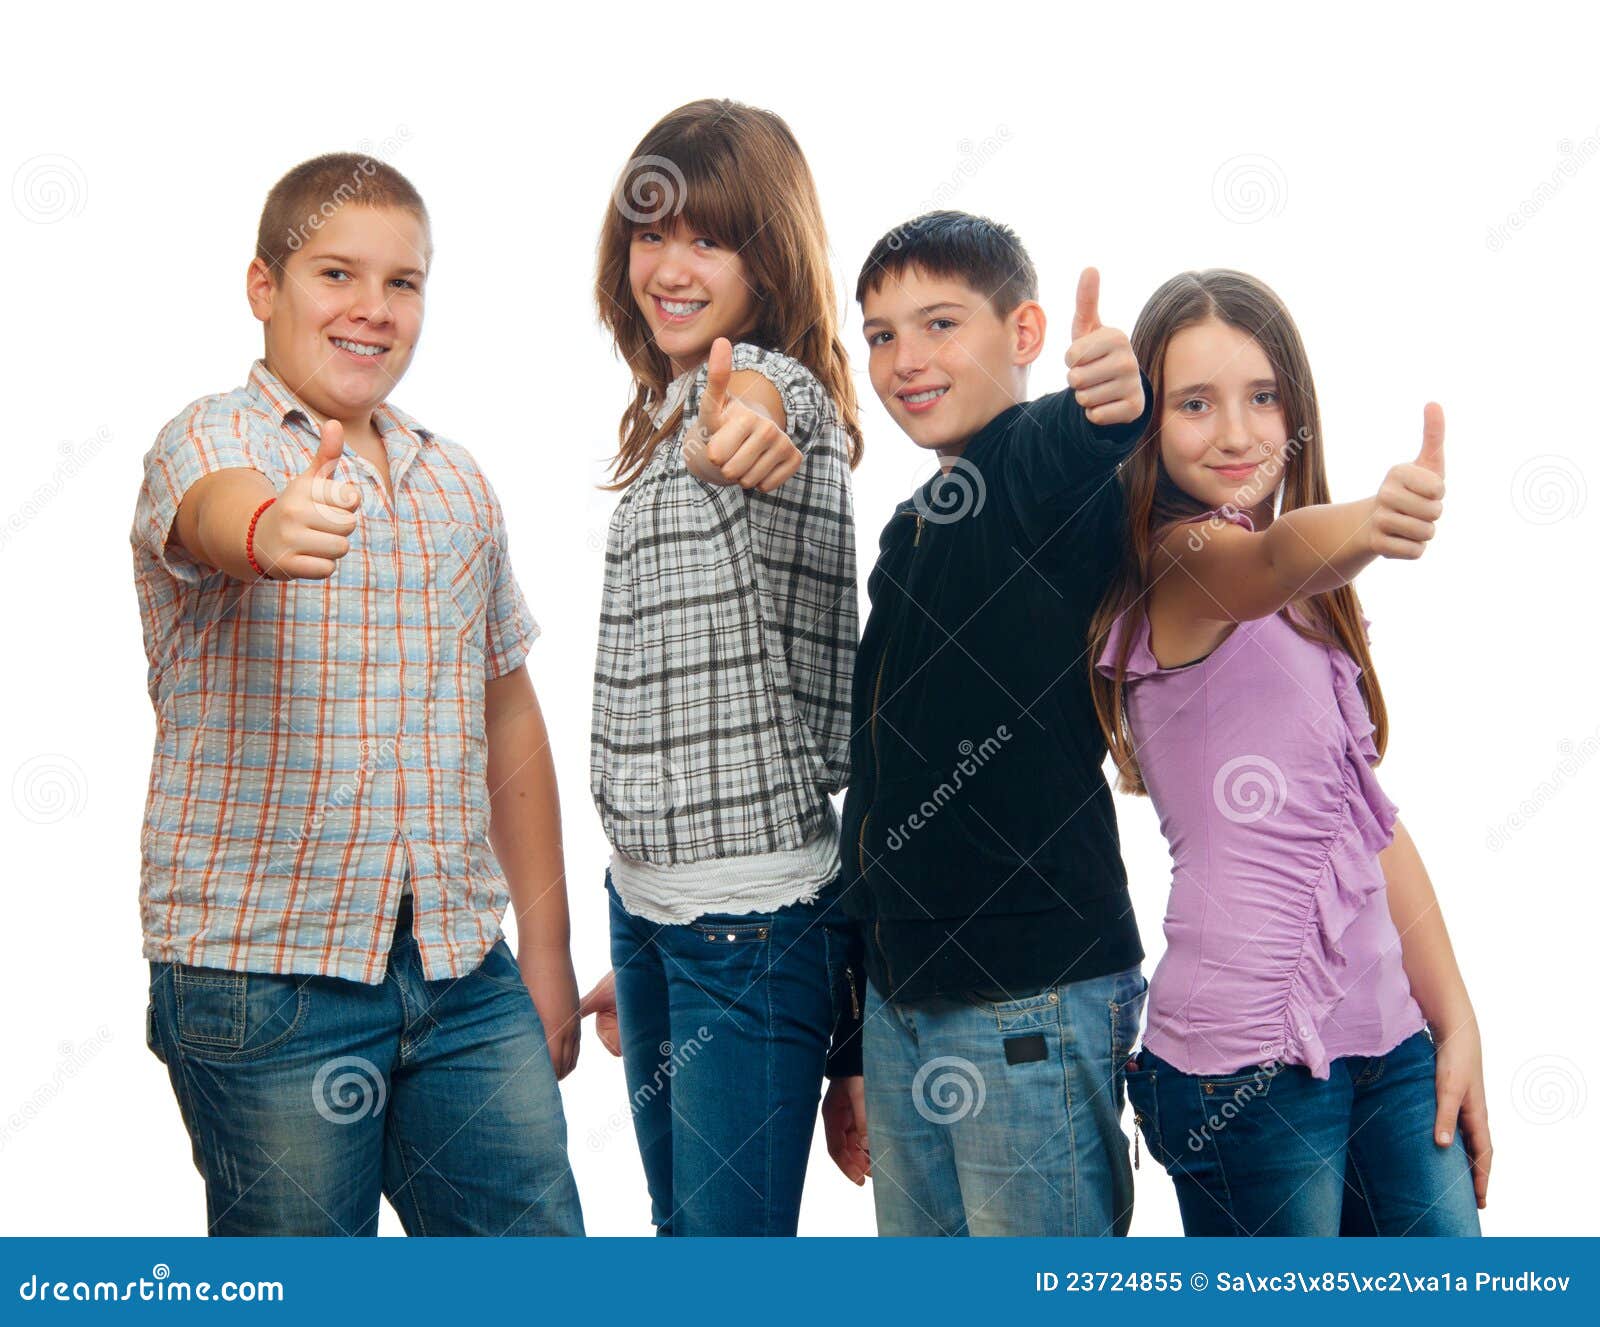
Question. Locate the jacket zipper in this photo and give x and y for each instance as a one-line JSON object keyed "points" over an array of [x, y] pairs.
{"points": [[877, 777], [850, 981]]}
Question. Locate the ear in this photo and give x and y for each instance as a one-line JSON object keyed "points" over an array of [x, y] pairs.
{"points": [[259, 289], [1026, 324]]}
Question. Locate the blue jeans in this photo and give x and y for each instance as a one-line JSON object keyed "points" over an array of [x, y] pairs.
{"points": [[1273, 1151], [726, 1024], [1002, 1118], [307, 1097]]}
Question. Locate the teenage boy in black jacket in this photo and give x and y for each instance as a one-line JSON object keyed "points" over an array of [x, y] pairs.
{"points": [[980, 844]]}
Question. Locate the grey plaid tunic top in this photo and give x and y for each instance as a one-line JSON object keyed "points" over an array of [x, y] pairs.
{"points": [[727, 642]]}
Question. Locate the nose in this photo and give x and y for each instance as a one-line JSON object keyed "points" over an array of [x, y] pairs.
{"points": [[1233, 434], [909, 357], [371, 302], [672, 268]]}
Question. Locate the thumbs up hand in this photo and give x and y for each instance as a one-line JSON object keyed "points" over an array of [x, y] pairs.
{"points": [[1101, 368], [307, 530], [1412, 497], [736, 440]]}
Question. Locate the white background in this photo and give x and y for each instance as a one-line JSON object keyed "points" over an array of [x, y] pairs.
{"points": [[1358, 159]]}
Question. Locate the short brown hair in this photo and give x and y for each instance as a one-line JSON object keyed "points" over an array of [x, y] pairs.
{"points": [[313, 191], [983, 254]]}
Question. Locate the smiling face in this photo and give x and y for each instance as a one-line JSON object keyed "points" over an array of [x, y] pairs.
{"points": [[1223, 432], [690, 289], [344, 315], [941, 361]]}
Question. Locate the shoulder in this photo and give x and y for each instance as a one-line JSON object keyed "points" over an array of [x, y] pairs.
{"points": [[806, 406], [235, 412]]}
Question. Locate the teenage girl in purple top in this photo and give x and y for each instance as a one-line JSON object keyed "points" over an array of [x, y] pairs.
{"points": [[1288, 1082]]}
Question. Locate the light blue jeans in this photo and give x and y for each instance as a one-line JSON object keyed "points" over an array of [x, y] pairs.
{"points": [[307, 1097], [1003, 1118]]}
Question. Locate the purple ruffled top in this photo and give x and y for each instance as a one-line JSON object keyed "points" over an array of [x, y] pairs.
{"points": [[1258, 760]]}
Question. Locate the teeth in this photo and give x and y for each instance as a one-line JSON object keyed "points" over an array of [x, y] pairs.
{"points": [[679, 309], [917, 398], [357, 347]]}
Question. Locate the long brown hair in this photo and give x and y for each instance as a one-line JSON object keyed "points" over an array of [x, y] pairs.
{"points": [[735, 173], [1155, 503]]}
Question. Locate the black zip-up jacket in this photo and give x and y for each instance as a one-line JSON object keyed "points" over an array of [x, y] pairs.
{"points": [[979, 841]]}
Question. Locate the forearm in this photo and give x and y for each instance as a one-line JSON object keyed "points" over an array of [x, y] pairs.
{"points": [[214, 517], [1319, 548], [525, 815], [1429, 958]]}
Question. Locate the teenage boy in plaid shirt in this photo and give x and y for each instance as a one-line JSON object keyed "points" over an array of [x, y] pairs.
{"points": [[344, 728]]}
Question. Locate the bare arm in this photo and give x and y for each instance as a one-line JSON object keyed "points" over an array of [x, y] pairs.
{"points": [[1224, 573], [740, 438], [525, 833], [1437, 987], [303, 534]]}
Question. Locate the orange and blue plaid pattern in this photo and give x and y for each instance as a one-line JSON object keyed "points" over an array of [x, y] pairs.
{"points": [[317, 740]]}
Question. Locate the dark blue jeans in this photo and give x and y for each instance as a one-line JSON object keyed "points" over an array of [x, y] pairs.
{"points": [[307, 1097], [725, 1025], [1273, 1151]]}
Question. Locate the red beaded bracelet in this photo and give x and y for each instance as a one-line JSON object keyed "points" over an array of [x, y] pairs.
{"points": [[250, 539]]}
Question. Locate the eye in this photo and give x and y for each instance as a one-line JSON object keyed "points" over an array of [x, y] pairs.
{"points": [[647, 236], [941, 324], [878, 338], [705, 240], [333, 271], [1265, 397], [1192, 401], [407, 282]]}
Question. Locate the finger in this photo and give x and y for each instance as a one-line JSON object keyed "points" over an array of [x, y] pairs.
{"points": [[298, 567], [1404, 550], [1397, 525], [324, 513], [719, 370], [1124, 410], [735, 436], [1096, 345], [319, 544], [601, 997], [331, 446], [783, 474], [1086, 316], [333, 501], [1431, 457], [1118, 388], [764, 466], [1447, 1106]]}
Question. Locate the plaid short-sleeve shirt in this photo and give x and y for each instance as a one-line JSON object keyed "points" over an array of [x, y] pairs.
{"points": [[727, 642], [314, 739]]}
